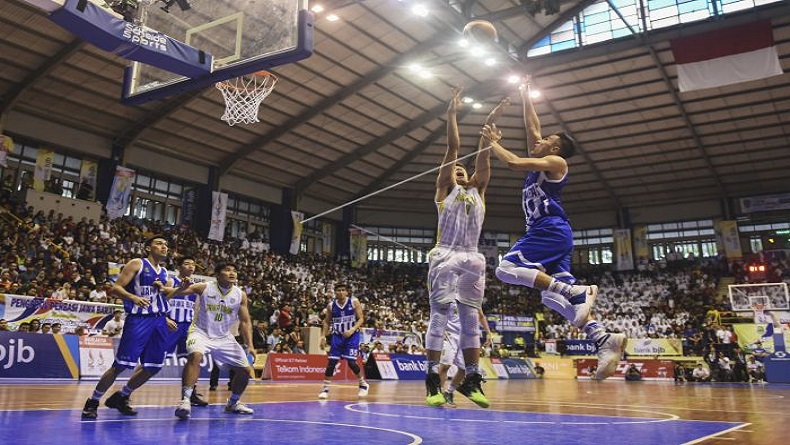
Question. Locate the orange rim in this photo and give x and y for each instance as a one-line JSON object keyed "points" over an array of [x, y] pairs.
{"points": [[262, 73]]}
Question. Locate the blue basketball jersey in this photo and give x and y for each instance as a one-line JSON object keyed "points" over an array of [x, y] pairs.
{"points": [[182, 307], [343, 318], [540, 197], [143, 286]]}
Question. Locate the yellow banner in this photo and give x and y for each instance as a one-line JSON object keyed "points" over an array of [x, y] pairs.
{"points": [[624, 257], [487, 369], [359, 248], [654, 346], [43, 171], [641, 248], [326, 238], [727, 236], [749, 334], [557, 368], [6, 146], [296, 235]]}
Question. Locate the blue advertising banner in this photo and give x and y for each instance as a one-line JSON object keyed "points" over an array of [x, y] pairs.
{"points": [[409, 367], [517, 368], [579, 347], [777, 367], [511, 323], [25, 355], [174, 365]]}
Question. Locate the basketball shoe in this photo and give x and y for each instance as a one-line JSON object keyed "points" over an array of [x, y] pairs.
{"points": [[448, 396], [184, 410], [121, 403], [434, 395], [238, 408], [89, 411], [472, 389], [363, 389], [610, 351], [583, 309]]}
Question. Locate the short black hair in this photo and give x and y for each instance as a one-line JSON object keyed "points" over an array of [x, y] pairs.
{"points": [[222, 265], [180, 260], [567, 145], [341, 285], [150, 239]]}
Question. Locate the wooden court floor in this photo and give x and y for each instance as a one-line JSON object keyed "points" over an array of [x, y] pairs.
{"points": [[528, 411]]}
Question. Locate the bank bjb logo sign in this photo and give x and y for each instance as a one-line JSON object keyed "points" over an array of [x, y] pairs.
{"points": [[14, 351]]}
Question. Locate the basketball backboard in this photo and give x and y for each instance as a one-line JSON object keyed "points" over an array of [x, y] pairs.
{"points": [[243, 36]]}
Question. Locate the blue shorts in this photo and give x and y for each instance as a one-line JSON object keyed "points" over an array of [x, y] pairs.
{"points": [[344, 347], [547, 246], [143, 339], [176, 341]]}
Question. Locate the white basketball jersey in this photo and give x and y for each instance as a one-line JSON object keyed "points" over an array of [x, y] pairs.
{"points": [[215, 312], [461, 217]]}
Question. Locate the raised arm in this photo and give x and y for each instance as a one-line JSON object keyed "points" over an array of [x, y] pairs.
{"points": [[531, 122], [551, 163], [482, 173], [446, 178]]}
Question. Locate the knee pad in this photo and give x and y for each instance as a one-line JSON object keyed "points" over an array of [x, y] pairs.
{"points": [[435, 335], [330, 367], [470, 327], [354, 366], [513, 274]]}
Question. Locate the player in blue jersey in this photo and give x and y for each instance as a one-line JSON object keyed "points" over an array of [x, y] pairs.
{"points": [[342, 320], [179, 319], [541, 258], [145, 331]]}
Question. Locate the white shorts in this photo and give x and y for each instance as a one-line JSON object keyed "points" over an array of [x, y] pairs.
{"points": [[225, 350], [451, 353], [455, 274]]}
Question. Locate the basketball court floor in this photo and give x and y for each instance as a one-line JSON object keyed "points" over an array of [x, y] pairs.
{"points": [[530, 411]]}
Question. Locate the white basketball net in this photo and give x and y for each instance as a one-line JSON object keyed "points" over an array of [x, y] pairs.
{"points": [[243, 96]]}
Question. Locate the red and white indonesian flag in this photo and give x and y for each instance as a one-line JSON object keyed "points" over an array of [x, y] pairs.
{"points": [[726, 56]]}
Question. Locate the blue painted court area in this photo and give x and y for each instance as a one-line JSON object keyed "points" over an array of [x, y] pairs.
{"points": [[338, 422]]}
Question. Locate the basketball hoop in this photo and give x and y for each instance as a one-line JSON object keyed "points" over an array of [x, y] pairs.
{"points": [[243, 96]]}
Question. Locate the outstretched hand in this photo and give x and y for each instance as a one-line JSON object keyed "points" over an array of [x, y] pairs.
{"points": [[497, 111], [456, 103], [491, 133], [524, 87]]}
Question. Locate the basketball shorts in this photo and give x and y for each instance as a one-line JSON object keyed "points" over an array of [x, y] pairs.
{"points": [[451, 353], [455, 274], [143, 339], [547, 246], [225, 350], [344, 347], [177, 340]]}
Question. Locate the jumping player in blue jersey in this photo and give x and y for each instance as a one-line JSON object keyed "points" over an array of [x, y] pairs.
{"points": [[541, 258], [145, 332], [343, 319], [182, 309]]}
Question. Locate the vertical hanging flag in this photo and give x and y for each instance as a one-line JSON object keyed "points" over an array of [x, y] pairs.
{"points": [[359, 247], [6, 146], [89, 170], [727, 236], [219, 206], [624, 257], [43, 171], [296, 235], [326, 238], [641, 248], [120, 193], [726, 56]]}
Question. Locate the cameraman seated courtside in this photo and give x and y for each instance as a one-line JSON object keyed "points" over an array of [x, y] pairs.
{"points": [[632, 374]]}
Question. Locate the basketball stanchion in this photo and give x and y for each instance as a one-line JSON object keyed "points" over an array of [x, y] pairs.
{"points": [[243, 96]]}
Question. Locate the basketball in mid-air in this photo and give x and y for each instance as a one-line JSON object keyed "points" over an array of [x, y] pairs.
{"points": [[480, 31]]}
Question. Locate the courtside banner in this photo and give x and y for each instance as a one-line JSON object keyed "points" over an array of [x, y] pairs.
{"points": [[25, 355], [579, 347], [650, 369], [69, 313], [556, 368], [499, 368], [302, 367], [409, 367], [174, 367], [511, 323], [487, 369], [517, 368], [384, 366], [96, 355], [654, 346]]}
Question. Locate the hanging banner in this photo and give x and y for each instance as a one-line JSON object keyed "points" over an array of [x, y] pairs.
{"points": [[641, 248], [43, 170], [359, 247], [120, 193], [765, 203], [296, 235], [188, 206], [727, 238], [219, 207], [326, 238], [511, 323], [624, 257], [89, 170], [6, 146], [69, 313]]}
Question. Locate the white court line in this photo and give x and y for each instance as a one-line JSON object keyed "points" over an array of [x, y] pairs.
{"points": [[416, 440], [710, 436], [670, 417]]}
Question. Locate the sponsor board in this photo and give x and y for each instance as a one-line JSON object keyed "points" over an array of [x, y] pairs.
{"points": [[303, 367], [654, 346], [25, 355], [517, 368], [511, 323], [650, 369], [556, 368], [579, 347], [409, 367]]}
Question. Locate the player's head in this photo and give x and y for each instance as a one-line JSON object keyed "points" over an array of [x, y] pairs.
{"points": [[226, 272], [460, 173], [341, 288], [156, 245], [186, 265], [559, 144]]}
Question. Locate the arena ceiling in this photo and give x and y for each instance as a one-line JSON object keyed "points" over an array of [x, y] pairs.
{"points": [[353, 119]]}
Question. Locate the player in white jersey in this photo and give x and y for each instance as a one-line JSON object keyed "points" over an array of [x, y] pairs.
{"points": [[452, 354], [219, 305], [456, 270], [541, 257]]}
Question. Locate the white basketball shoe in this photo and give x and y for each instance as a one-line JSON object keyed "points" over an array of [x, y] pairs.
{"points": [[583, 309], [610, 351]]}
